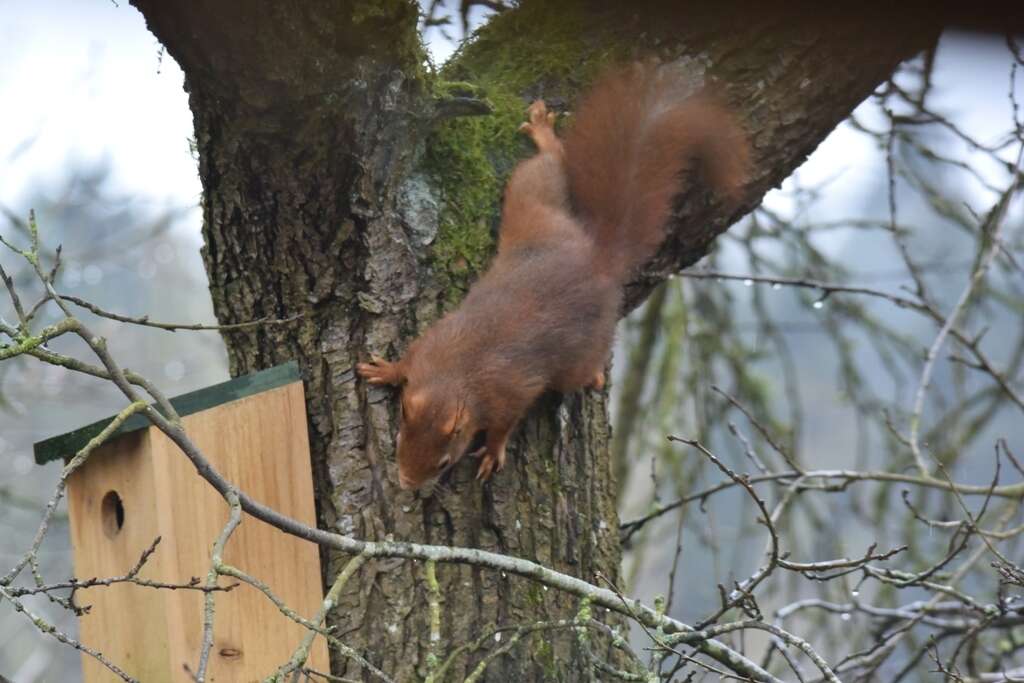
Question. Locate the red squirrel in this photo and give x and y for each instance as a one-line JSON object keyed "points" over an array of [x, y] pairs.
{"points": [[578, 218]]}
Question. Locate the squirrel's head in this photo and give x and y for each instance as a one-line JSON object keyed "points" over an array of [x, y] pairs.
{"points": [[437, 429]]}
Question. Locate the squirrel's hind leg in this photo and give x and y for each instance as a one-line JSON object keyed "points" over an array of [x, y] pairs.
{"points": [[540, 126], [537, 196]]}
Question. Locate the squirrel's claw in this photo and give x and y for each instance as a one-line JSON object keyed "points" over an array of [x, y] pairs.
{"points": [[489, 464], [483, 473]]}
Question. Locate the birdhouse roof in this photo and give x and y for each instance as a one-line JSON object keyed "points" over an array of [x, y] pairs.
{"points": [[66, 445]]}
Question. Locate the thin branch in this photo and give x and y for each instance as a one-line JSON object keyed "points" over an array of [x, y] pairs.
{"points": [[173, 327]]}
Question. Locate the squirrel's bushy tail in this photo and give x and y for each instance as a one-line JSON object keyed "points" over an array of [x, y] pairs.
{"points": [[632, 137]]}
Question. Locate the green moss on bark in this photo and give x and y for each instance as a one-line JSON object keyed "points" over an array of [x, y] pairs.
{"points": [[470, 158]]}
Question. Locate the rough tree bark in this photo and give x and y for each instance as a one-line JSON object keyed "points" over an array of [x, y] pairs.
{"points": [[338, 185]]}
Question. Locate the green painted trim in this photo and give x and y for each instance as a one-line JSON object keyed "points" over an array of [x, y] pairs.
{"points": [[66, 445]]}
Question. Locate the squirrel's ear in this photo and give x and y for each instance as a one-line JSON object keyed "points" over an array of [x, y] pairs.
{"points": [[455, 421], [412, 403], [451, 423]]}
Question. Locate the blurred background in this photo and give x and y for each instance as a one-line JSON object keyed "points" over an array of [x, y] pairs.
{"points": [[96, 131], [96, 137]]}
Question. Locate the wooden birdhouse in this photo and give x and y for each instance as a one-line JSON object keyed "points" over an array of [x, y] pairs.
{"points": [[139, 486]]}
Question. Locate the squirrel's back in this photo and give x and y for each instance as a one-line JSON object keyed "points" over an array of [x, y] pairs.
{"points": [[632, 136]]}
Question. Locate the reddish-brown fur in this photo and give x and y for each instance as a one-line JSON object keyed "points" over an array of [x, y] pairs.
{"points": [[577, 220]]}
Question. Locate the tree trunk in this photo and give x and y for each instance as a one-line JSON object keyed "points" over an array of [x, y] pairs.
{"points": [[336, 188]]}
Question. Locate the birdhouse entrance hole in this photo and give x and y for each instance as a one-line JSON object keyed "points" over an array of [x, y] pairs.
{"points": [[112, 513]]}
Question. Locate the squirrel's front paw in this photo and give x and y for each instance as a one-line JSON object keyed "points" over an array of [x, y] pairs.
{"points": [[490, 463], [379, 371]]}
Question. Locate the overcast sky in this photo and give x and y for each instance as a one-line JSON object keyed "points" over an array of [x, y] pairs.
{"points": [[83, 80]]}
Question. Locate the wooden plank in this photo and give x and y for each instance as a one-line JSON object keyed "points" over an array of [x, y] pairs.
{"points": [[66, 445], [126, 622], [260, 444]]}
